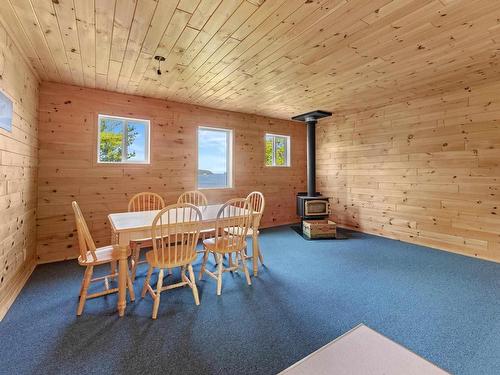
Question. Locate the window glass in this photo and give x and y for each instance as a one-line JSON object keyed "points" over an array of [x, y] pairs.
{"points": [[214, 158], [123, 140], [277, 150]]}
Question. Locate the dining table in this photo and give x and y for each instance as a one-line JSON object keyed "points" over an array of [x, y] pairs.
{"points": [[132, 226]]}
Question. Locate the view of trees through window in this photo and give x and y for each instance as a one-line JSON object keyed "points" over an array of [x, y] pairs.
{"points": [[122, 140], [277, 149]]}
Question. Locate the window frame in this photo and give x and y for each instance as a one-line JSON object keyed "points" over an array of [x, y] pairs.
{"points": [[147, 136], [229, 158], [288, 150]]}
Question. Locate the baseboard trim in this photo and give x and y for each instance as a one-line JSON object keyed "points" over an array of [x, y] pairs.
{"points": [[55, 260], [17, 284], [416, 242]]}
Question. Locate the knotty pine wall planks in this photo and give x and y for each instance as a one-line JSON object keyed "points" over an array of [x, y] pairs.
{"points": [[68, 169], [425, 171], [18, 163]]}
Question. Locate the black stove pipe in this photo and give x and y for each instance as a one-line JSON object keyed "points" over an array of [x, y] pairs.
{"points": [[311, 118], [311, 156]]}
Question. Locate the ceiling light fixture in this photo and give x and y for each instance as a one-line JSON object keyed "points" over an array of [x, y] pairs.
{"points": [[159, 59]]}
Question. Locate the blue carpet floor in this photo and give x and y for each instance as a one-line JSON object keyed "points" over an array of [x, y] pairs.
{"points": [[442, 306]]}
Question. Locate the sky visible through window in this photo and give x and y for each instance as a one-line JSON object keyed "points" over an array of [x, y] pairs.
{"points": [[212, 152], [138, 145], [213, 158]]}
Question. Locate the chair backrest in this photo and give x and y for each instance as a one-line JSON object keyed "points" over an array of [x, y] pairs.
{"points": [[257, 202], [85, 241], [233, 220], [175, 232], [194, 197], [145, 202]]}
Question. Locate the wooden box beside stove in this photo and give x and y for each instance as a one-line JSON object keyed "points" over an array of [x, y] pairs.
{"points": [[319, 228]]}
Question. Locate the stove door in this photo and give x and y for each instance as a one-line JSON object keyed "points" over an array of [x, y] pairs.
{"points": [[317, 208]]}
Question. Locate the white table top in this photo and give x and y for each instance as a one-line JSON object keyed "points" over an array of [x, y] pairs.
{"points": [[363, 351], [142, 220]]}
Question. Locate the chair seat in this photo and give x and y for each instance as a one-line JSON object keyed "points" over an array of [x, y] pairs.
{"points": [[223, 245], [150, 258], [237, 229], [103, 254]]}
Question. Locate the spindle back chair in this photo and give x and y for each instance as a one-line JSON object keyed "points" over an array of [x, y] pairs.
{"points": [[193, 197], [146, 201], [198, 199], [90, 256], [257, 202], [233, 221], [175, 231]]}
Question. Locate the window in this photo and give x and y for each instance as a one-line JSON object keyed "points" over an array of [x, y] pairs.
{"points": [[122, 140], [214, 158], [277, 150]]}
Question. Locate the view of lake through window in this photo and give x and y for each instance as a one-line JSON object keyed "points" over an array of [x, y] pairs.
{"points": [[214, 158]]}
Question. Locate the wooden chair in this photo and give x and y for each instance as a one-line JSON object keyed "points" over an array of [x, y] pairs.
{"points": [[257, 202], [142, 202], [193, 197], [233, 221], [174, 232], [198, 199], [90, 256]]}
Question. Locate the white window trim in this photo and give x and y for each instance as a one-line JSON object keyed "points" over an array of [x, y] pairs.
{"points": [[288, 150], [124, 148], [229, 161]]}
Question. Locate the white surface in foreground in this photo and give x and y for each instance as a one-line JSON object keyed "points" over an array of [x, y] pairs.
{"points": [[363, 351]]}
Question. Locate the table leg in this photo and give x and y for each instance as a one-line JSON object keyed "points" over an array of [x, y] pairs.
{"points": [[122, 280], [255, 253], [114, 241]]}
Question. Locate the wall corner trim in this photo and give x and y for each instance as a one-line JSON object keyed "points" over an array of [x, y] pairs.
{"points": [[17, 283]]}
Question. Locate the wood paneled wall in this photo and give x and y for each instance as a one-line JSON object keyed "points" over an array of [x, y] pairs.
{"points": [[68, 169], [425, 171], [18, 162]]}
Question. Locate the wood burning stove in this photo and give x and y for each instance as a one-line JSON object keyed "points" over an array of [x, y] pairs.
{"points": [[311, 204], [312, 207]]}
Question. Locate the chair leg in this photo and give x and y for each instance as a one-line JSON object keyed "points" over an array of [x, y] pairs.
{"points": [[83, 283], [130, 286], [85, 286], [245, 268], [156, 303], [203, 264], [193, 285], [219, 274], [147, 281], [261, 257]]}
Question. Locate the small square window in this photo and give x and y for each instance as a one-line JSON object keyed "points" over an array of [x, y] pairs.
{"points": [[122, 140], [277, 150]]}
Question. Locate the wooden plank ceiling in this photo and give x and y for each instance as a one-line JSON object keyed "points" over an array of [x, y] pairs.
{"points": [[274, 57]]}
